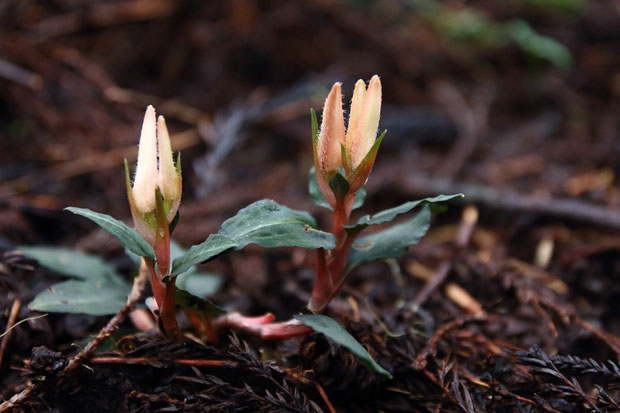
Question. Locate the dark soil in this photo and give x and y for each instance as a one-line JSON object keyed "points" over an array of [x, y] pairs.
{"points": [[488, 325]]}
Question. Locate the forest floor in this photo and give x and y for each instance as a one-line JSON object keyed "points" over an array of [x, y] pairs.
{"points": [[510, 302]]}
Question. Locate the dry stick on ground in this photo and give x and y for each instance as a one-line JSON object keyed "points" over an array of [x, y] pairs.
{"points": [[9, 325], [611, 340], [513, 201], [134, 295], [153, 360], [469, 218], [94, 73], [471, 119], [299, 377], [102, 15], [92, 163], [420, 361], [19, 75]]}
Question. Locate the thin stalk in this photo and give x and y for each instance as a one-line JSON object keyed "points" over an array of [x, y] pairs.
{"points": [[167, 316], [159, 291], [323, 283]]}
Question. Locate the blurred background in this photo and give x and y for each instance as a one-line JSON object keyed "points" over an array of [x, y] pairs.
{"points": [[518, 96], [514, 103]]}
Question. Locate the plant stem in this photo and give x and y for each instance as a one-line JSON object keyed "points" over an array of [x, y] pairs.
{"points": [[167, 316], [329, 275], [323, 281], [159, 291]]}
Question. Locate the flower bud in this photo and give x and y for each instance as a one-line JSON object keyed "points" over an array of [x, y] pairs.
{"points": [[142, 196], [169, 178], [146, 172], [363, 120], [331, 135]]}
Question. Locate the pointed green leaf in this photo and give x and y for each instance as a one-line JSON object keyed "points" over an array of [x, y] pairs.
{"points": [[334, 331], [213, 246], [319, 199], [265, 223], [82, 297], [269, 224], [392, 242], [314, 124], [72, 263], [202, 305], [358, 177], [389, 214], [128, 238]]}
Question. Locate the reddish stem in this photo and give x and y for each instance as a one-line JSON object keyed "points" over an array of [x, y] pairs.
{"points": [[322, 283], [159, 291], [202, 324], [329, 275], [339, 219], [167, 316]]}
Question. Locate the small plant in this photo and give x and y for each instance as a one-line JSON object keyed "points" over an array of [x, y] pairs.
{"points": [[343, 160]]}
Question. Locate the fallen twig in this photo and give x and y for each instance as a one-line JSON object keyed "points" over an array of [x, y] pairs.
{"points": [[9, 326], [420, 361], [513, 201], [153, 360], [134, 295], [466, 229], [471, 119]]}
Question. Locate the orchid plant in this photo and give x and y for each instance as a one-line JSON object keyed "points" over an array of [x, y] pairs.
{"points": [[343, 160]]}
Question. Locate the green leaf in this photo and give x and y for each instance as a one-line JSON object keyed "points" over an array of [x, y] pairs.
{"points": [[334, 331], [98, 290], [265, 223], [319, 199], [339, 185], [72, 263], [392, 242], [360, 197], [199, 284], [82, 297], [128, 238], [213, 246], [202, 305], [269, 224], [389, 214]]}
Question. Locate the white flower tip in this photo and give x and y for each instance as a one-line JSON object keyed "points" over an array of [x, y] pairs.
{"points": [[146, 171], [168, 178]]}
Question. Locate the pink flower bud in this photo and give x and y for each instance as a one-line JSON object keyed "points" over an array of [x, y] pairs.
{"points": [[146, 171], [363, 120], [331, 135]]}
